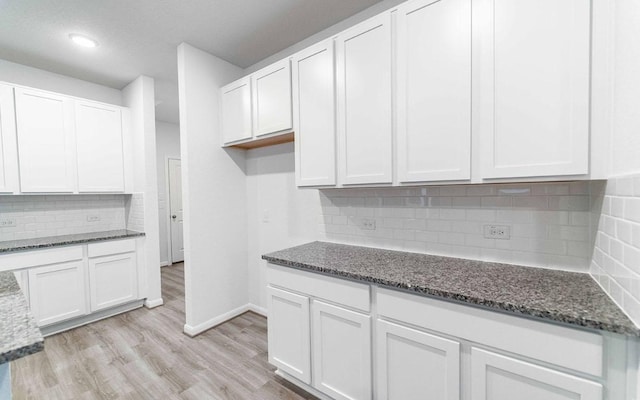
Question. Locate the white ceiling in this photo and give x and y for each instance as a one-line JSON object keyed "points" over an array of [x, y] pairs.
{"points": [[141, 36]]}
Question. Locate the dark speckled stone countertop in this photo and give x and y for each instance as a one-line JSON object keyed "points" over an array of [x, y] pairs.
{"points": [[19, 333], [565, 297], [65, 240]]}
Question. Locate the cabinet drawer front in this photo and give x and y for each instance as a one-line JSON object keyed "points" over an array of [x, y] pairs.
{"points": [[571, 348], [497, 377], [350, 294], [39, 257], [112, 247]]}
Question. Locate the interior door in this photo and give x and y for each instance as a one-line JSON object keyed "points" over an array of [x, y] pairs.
{"points": [[175, 206]]}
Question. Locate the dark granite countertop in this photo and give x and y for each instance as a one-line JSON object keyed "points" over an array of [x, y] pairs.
{"points": [[19, 333], [560, 296], [65, 240]]}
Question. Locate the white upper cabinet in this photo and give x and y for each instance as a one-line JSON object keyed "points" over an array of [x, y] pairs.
{"points": [[46, 144], [99, 147], [272, 99], [532, 75], [364, 102], [434, 90], [8, 149], [236, 111], [314, 115]]}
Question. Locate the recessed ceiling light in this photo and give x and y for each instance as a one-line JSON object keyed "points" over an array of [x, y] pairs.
{"points": [[82, 40]]}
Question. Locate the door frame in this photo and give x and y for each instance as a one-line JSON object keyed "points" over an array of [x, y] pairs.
{"points": [[168, 202]]}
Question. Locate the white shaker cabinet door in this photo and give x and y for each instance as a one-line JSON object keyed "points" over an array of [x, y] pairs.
{"points": [[314, 115], [236, 111], [414, 365], [434, 90], [532, 75], [99, 147], [272, 99], [46, 141], [8, 149], [113, 280], [57, 292], [341, 352], [364, 102], [289, 333], [498, 377]]}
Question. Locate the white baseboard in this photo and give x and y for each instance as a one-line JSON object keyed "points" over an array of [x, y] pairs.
{"points": [[257, 309], [164, 263], [153, 303], [192, 331]]}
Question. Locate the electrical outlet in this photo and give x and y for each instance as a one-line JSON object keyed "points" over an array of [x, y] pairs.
{"points": [[497, 232], [368, 224], [93, 218], [7, 222]]}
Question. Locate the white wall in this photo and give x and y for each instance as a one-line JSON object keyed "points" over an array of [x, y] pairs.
{"points": [[279, 214], [167, 145], [139, 97], [214, 196], [45, 80]]}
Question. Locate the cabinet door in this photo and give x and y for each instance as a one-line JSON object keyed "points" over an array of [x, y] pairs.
{"points": [[434, 90], [45, 141], [341, 352], [363, 60], [57, 292], [416, 365], [289, 333], [532, 71], [8, 149], [272, 99], [113, 280], [99, 147], [497, 377], [314, 115], [236, 111]]}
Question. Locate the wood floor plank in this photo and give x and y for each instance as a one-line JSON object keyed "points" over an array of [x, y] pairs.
{"points": [[143, 354]]}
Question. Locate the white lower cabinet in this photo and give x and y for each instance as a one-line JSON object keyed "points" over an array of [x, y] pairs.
{"points": [[422, 348], [58, 292], [415, 365], [113, 280], [73, 285], [289, 336], [341, 352], [498, 377]]}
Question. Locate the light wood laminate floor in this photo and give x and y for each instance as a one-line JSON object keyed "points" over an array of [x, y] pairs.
{"points": [[143, 354]]}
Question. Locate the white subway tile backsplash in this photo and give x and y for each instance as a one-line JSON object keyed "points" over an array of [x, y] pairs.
{"points": [[551, 223], [616, 257], [52, 215]]}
